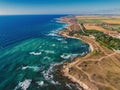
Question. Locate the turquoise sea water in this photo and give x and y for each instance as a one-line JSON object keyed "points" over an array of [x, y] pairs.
{"points": [[30, 48]]}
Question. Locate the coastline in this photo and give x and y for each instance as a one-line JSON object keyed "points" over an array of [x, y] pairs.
{"points": [[64, 70], [41, 55], [88, 71]]}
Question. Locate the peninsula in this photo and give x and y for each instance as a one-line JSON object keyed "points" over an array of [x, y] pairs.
{"points": [[99, 69]]}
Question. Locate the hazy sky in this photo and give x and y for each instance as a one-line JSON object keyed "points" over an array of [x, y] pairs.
{"points": [[59, 6]]}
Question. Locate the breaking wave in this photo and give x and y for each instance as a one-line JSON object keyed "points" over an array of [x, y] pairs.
{"points": [[40, 83], [23, 85], [68, 56], [35, 53], [34, 68]]}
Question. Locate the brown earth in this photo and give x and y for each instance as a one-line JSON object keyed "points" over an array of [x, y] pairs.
{"points": [[99, 28], [116, 22], [98, 70], [92, 17]]}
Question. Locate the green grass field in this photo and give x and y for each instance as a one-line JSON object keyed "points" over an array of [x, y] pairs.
{"points": [[116, 27]]}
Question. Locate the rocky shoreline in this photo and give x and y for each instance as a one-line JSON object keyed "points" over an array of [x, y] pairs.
{"points": [[92, 71], [64, 68]]}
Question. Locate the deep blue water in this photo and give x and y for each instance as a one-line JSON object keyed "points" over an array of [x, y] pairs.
{"points": [[29, 50], [17, 28]]}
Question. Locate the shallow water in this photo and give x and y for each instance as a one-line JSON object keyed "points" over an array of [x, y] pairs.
{"points": [[28, 63]]}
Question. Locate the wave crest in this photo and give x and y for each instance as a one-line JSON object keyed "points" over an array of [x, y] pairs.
{"points": [[24, 85], [35, 53]]}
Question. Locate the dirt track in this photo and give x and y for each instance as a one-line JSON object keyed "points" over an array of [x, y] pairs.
{"points": [[98, 70], [87, 70]]}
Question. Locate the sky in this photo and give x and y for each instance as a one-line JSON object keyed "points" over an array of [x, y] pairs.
{"points": [[10, 7]]}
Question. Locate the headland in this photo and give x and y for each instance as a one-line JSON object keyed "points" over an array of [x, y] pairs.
{"points": [[100, 68]]}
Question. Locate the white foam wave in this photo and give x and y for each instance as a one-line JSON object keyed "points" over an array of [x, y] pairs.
{"points": [[48, 58], [53, 33], [35, 53], [34, 68], [84, 53], [68, 56], [24, 85], [59, 39], [48, 73], [65, 56], [55, 82], [40, 83]]}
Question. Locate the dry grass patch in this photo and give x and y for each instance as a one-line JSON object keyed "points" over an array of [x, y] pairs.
{"points": [[114, 21], [92, 17], [94, 27]]}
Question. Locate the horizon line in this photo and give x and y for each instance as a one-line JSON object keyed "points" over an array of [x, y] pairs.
{"points": [[54, 14]]}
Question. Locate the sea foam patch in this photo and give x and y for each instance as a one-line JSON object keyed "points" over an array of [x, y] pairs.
{"points": [[68, 56], [84, 53], [35, 53], [48, 74], [53, 33], [34, 68], [55, 82], [23, 85], [48, 58], [40, 83], [59, 39], [35, 57]]}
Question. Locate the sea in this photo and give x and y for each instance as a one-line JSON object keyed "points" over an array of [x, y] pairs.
{"points": [[30, 49]]}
